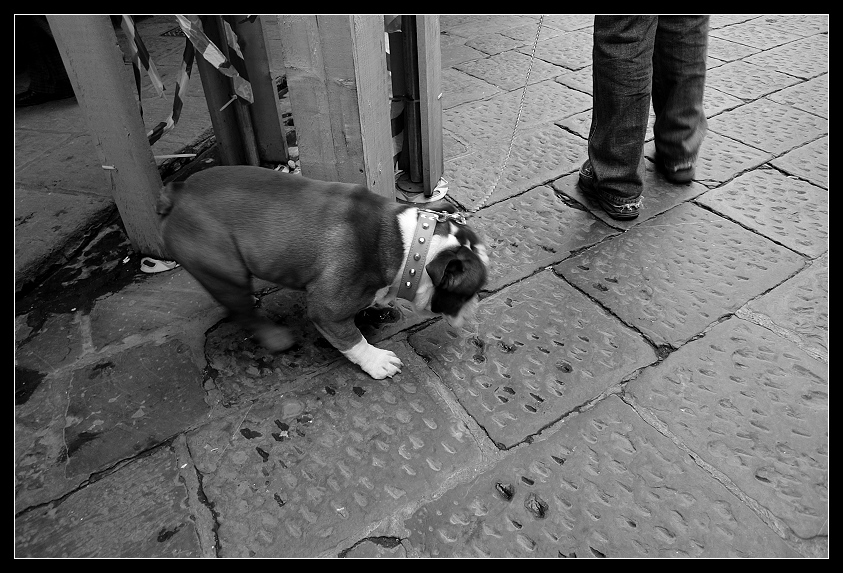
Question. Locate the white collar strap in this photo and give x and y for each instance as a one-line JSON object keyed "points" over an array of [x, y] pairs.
{"points": [[417, 255]]}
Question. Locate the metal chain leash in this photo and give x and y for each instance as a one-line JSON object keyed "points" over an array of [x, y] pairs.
{"points": [[514, 129]]}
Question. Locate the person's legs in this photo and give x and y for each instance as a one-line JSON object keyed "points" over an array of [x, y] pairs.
{"points": [[622, 72], [679, 65]]}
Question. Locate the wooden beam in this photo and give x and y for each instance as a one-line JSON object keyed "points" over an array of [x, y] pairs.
{"points": [[337, 80], [430, 102], [104, 88], [265, 113]]}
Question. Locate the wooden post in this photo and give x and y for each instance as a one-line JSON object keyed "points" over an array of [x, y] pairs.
{"points": [[104, 88], [337, 80], [218, 92], [265, 115], [430, 100]]}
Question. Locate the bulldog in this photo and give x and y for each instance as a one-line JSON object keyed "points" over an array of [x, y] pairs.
{"points": [[345, 246]]}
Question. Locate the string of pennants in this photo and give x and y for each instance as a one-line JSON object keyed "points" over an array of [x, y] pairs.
{"points": [[196, 41]]}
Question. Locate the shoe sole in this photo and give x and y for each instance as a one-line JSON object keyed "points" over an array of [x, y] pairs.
{"points": [[607, 207]]}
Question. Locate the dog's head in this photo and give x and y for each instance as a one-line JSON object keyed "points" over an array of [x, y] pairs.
{"points": [[457, 266]]}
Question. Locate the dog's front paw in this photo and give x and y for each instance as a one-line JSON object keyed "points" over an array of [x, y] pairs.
{"points": [[376, 362]]}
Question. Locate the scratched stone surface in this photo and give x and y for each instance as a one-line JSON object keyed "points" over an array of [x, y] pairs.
{"points": [[568, 22], [526, 34], [532, 231], [756, 408], [769, 126], [581, 79], [139, 512], [788, 210], [125, 404], [579, 124], [509, 70], [493, 43], [675, 274], [756, 34], [459, 88], [800, 305], [807, 162], [539, 349], [715, 101], [659, 195], [805, 58], [141, 307], [306, 472], [491, 122], [811, 96], [471, 25], [722, 20], [747, 81], [605, 485], [571, 50], [720, 159], [728, 51], [538, 156], [802, 24], [243, 370]]}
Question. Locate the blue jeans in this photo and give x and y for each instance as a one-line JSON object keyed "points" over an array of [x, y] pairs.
{"points": [[635, 57]]}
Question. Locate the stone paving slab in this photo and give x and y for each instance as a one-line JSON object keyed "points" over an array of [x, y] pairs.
{"points": [[532, 231], [722, 20], [309, 471], [747, 81], [493, 43], [571, 50], [152, 302], [577, 79], [787, 210], [670, 280], [721, 159], [526, 34], [800, 306], [808, 162], [604, 485], [48, 225], [130, 402], [728, 51], [243, 370], [568, 22], [454, 50], [471, 25], [754, 407], [811, 96], [142, 511], [509, 70], [491, 122], [539, 350], [74, 166], [805, 58], [538, 156], [715, 101], [30, 146], [756, 34], [803, 24], [769, 126], [659, 196], [459, 88]]}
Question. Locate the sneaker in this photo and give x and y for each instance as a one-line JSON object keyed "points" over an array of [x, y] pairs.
{"points": [[621, 210], [678, 176]]}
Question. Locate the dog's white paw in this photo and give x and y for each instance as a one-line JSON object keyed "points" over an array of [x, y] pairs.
{"points": [[376, 362]]}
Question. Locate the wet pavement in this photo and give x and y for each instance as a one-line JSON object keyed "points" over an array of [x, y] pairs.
{"points": [[649, 388]]}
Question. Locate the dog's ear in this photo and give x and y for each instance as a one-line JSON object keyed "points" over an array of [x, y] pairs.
{"points": [[457, 270]]}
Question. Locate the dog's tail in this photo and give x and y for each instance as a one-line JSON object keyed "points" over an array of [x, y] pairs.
{"points": [[166, 198]]}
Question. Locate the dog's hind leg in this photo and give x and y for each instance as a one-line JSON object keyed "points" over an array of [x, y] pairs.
{"points": [[235, 294]]}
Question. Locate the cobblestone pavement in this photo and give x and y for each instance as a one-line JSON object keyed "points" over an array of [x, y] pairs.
{"points": [[653, 388]]}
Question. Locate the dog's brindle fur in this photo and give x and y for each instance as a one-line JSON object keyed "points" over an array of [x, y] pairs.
{"points": [[342, 244]]}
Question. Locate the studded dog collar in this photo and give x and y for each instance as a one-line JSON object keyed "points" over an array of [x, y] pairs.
{"points": [[417, 255]]}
